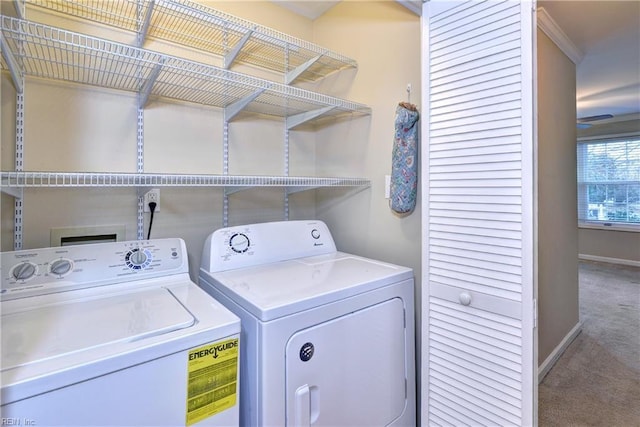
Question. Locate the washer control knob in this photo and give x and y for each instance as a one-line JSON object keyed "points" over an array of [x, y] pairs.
{"points": [[24, 271], [60, 266], [138, 259], [315, 233], [239, 243]]}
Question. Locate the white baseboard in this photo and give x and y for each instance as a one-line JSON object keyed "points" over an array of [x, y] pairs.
{"points": [[609, 260], [546, 366]]}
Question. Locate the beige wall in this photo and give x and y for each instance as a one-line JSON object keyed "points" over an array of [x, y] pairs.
{"points": [[609, 246], [384, 38], [557, 200]]}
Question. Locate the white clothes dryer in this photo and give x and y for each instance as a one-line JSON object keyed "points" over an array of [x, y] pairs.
{"points": [[114, 334], [328, 337]]}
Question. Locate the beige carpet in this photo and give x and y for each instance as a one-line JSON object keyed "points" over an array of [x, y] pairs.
{"points": [[596, 382]]}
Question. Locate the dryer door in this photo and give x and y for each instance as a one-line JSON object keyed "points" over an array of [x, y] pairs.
{"points": [[350, 371]]}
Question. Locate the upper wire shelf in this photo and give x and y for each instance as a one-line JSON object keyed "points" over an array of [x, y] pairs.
{"points": [[194, 25], [43, 51], [18, 180]]}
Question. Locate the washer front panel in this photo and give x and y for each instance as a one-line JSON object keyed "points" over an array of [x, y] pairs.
{"points": [[47, 270]]}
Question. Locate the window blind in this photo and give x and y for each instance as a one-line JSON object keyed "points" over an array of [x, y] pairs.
{"points": [[609, 181]]}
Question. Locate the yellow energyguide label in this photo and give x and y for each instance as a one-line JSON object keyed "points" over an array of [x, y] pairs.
{"points": [[212, 379]]}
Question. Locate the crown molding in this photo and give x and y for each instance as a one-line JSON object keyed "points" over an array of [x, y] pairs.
{"points": [[555, 33], [414, 6]]}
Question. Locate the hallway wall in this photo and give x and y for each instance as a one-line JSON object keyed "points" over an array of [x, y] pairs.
{"points": [[557, 201]]}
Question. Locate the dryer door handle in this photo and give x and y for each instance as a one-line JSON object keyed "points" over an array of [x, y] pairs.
{"points": [[303, 407], [307, 405]]}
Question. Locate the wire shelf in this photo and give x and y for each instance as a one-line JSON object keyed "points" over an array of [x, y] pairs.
{"points": [[97, 179], [48, 52], [197, 26]]}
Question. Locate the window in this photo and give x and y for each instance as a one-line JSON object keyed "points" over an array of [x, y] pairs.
{"points": [[609, 181]]}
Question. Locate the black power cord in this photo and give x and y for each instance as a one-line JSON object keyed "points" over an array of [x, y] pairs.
{"points": [[152, 208]]}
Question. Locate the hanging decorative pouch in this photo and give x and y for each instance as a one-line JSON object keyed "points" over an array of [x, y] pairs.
{"points": [[404, 166]]}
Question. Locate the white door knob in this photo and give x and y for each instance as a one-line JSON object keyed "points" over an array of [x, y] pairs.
{"points": [[465, 298]]}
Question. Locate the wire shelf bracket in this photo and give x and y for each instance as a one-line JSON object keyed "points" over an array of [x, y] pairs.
{"points": [[237, 107], [298, 119], [290, 76], [15, 192], [144, 28], [19, 8], [293, 190], [12, 64], [232, 190], [231, 56], [148, 84]]}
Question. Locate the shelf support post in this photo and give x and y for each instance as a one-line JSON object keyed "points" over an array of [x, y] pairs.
{"points": [[298, 119], [19, 166], [286, 172], [295, 73], [140, 169], [226, 112], [14, 68], [18, 81], [225, 167], [232, 110], [235, 51], [17, 223]]}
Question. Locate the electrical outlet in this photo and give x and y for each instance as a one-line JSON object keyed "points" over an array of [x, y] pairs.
{"points": [[152, 195]]}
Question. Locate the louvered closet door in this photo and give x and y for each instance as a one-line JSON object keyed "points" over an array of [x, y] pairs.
{"points": [[478, 150]]}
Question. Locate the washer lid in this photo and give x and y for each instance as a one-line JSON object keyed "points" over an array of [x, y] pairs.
{"points": [[56, 330], [279, 289], [54, 340]]}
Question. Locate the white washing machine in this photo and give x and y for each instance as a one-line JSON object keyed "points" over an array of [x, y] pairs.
{"points": [[114, 334], [328, 337]]}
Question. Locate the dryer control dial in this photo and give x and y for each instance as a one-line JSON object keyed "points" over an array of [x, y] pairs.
{"points": [[24, 271], [239, 242], [61, 266]]}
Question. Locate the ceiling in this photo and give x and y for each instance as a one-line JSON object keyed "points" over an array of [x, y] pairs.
{"points": [[607, 36], [311, 9]]}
